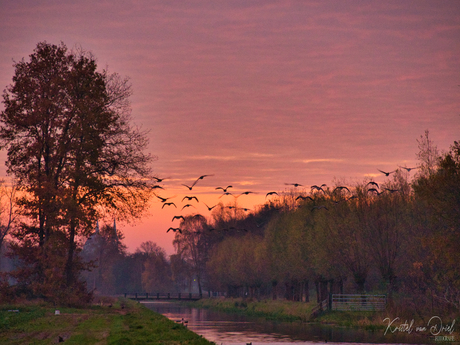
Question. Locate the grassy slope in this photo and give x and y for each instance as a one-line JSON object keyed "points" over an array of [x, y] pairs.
{"points": [[133, 324]]}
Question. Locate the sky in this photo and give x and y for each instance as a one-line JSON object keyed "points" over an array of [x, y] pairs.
{"points": [[261, 93]]}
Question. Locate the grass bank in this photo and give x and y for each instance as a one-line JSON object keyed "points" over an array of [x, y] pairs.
{"points": [[300, 311], [269, 309], [114, 322]]}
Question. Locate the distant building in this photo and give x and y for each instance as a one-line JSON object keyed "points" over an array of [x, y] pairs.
{"points": [[6, 264], [96, 249], [92, 251]]}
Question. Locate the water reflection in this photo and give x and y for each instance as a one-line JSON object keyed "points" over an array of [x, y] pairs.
{"points": [[229, 328]]}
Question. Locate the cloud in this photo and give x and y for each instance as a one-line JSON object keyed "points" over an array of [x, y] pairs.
{"points": [[209, 157], [237, 157], [320, 160]]}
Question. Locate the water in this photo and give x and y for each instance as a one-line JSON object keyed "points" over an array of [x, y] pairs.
{"points": [[232, 329]]}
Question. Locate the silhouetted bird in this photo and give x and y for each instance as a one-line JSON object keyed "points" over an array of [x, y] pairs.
{"points": [[190, 198], [294, 184], [189, 187], [386, 173], [408, 169], [304, 197], [175, 229], [194, 183], [372, 183], [224, 189], [375, 190], [271, 193], [188, 205], [392, 190], [202, 177], [157, 187], [244, 193], [340, 188], [159, 179], [164, 199], [226, 193], [318, 188], [210, 208], [169, 204], [178, 217]]}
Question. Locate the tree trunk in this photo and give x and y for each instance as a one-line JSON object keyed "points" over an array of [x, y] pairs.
{"points": [[70, 256], [274, 294], [324, 291], [307, 292], [318, 295], [198, 280]]}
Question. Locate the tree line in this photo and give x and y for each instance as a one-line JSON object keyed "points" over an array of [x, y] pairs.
{"points": [[399, 238]]}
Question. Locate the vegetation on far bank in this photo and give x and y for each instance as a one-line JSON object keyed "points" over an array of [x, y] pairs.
{"points": [[283, 310], [280, 310], [109, 321]]}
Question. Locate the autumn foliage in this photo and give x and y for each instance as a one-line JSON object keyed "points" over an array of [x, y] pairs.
{"points": [[400, 239], [75, 158]]}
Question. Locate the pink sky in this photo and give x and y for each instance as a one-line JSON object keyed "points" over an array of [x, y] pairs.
{"points": [[262, 93]]}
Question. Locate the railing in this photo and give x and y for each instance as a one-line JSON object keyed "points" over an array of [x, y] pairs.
{"points": [[322, 306], [359, 302], [164, 296]]}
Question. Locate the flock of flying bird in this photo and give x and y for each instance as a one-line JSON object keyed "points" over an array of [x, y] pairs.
{"points": [[189, 198]]}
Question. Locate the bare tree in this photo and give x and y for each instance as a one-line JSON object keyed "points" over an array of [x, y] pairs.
{"points": [[7, 209], [428, 155]]}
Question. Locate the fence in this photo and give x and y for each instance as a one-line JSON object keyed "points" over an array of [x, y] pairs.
{"points": [[359, 302], [316, 311], [163, 296]]}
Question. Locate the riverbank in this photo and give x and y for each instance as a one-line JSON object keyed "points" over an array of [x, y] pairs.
{"points": [[269, 309], [109, 321], [383, 321]]}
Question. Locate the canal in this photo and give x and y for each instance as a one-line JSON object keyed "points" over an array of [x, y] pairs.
{"points": [[232, 329]]}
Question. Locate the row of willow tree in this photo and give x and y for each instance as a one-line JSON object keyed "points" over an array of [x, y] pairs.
{"points": [[401, 239]]}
